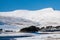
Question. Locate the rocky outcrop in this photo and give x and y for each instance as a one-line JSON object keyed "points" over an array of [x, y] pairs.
{"points": [[57, 27], [30, 29], [50, 29]]}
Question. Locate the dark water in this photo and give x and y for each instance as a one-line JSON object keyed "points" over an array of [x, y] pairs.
{"points": [[2, 23], [12, 37], [7, 39]]}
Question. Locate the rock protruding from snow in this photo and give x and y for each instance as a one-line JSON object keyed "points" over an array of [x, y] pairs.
{"points": [[30, 29]]}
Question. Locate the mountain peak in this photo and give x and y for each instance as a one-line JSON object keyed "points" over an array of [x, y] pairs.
{"points": [[47, 9]]}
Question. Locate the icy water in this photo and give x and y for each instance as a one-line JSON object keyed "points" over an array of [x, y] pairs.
{"points": [[34, 37], [12, 38], [15, 37]]}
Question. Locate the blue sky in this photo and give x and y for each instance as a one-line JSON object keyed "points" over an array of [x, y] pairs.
{"points": [[10, 5]]}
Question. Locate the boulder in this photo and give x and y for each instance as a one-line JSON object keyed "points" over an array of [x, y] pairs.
{"points": [[30, 29]]}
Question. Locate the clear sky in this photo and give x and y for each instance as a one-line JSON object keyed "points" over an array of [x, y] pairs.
{"points": [[9, 5]]}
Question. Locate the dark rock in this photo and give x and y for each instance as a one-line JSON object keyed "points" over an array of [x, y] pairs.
{"points": [[57, 27], [30, 29], [1, 30], [42, 28], [49, 27], [52, 29], [8, 31]]}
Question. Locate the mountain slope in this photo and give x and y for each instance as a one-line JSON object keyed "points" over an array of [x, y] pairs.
{"points": [[47, 16], [16, 21]]}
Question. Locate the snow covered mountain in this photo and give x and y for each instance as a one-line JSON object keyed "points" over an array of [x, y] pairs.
{"points": [[47, 16], [16, 21]]}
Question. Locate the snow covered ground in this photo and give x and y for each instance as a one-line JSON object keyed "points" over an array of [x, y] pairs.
{"points": [[42, 37], [47, 16], [43, 17], [31, 36]]}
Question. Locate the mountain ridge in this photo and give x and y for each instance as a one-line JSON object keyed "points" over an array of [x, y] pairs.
{"points": [[47, 16]]}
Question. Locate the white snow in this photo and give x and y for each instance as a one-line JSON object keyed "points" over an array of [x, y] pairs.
{"points": [[16, 34], [47, 16], [42, 37]]}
